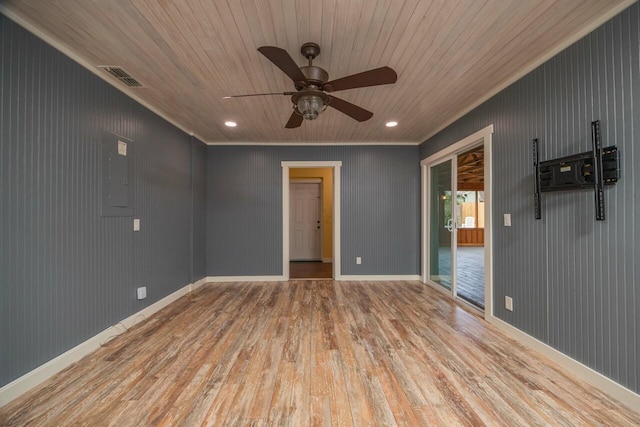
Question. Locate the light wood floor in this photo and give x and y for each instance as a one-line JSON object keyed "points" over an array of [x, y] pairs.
{"points": [[314, 353]]}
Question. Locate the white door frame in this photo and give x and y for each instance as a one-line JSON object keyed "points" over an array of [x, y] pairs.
{"points": [[335, 166], [481, 137]]}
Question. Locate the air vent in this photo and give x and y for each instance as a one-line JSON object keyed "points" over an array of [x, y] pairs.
{"points": [[121, 75]]}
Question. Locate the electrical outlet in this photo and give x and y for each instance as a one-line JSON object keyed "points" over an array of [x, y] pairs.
{"points": [[142, 292], [136, 224], [358, 260], [507, 220], [508, 303]]}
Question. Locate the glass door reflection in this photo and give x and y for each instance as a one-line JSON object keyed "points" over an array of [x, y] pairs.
{"points": [[441, 225]]}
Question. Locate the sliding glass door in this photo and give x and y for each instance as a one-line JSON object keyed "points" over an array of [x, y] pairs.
{"points": [[441, 224], [455, 224]]}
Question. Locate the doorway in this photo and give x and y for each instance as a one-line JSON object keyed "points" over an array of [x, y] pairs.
{"points": [[456, 222], [328, 264], [309, 216], [470, 222]]}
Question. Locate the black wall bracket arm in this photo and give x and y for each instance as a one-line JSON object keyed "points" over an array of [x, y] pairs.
{"points": [[537, 200], [589, 170], [596, 145]]}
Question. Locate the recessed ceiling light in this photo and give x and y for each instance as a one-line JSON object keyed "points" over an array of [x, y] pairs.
{"points": [[391, 124], [230, 124]]}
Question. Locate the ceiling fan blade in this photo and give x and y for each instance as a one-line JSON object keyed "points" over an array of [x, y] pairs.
{"points": [[351, 110], [284, 61], [294, 121], [258, 94], [375, 77]]}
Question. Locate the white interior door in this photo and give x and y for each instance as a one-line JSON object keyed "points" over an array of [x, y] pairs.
{"points": [[305, 227]]}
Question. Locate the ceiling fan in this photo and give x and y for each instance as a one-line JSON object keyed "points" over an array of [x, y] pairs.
{"points": [[312, 85]]}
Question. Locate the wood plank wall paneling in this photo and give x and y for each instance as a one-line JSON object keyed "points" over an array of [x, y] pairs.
{"points": [[470, 236], [66, 272], [379, 218], [574, 281]]}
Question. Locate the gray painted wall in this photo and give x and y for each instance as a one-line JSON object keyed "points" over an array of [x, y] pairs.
{"points": [[199, 200], [575, 281], [66, 273], [379, 208]]}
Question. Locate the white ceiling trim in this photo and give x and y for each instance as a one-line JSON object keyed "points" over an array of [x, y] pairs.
{"points": [[314, 143], [58, 45], [537, 62]]}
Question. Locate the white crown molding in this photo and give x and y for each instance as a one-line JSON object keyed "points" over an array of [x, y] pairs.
{"points": [[532, 65], [311, 164], [313, 144]]}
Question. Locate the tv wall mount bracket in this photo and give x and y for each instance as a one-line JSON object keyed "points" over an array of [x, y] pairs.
{"points": [[589, 170]]}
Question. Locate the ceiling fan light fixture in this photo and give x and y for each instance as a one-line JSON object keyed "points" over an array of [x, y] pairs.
{"points": [[391, 124], [312, 84], [311, 106]]}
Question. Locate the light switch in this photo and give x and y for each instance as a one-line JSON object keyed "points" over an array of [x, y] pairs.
{"points": [[136, 224], [507, 220], [508, 303]]}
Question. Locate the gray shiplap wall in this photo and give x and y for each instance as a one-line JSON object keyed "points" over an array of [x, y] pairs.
{"points": [[379, 208], [66, 273], [199, 219], [575, 281]]}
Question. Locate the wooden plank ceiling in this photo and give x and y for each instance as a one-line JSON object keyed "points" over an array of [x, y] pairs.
{"points": [[471, 169], [449, 55]]}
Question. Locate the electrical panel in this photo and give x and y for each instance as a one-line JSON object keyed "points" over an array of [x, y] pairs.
{"points": [[117, 174]]}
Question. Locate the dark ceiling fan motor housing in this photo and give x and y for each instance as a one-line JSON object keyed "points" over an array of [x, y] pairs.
{"points": [[316, 76], [310, 100]]}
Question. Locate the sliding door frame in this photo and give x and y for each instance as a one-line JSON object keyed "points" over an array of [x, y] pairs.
{"points": [[481, 137]]}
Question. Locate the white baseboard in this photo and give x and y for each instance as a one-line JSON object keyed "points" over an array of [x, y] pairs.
{"points": [[378, 277], [245, 279], [43, 372], [327, 260], [596, 379], [199, 283]]}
